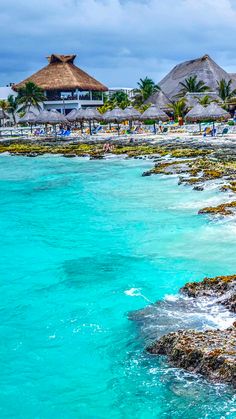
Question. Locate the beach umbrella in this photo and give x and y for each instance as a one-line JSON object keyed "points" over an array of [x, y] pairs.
{"points": [[28, 118], [115, 115], [132, 114], [52, 117], [71, 116], [79, 116], [214, 112], [154, 113], [92, 114], [196, 114]]}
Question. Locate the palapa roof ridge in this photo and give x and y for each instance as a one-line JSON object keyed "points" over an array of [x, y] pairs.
{"points": [[62, 74], [160, 99], [205, 68]]}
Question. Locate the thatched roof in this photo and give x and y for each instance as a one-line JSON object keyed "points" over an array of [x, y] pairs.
{"points": [[62, 74], [71, 116], [154, 113], [29, 118], [204, 68], [131, 113], [50, 117], [115, 114], [159, 99], [214, 112], [193, 98], [197, 113], [92, 114]]}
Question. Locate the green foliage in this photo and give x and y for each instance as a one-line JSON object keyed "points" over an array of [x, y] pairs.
{"points": [[205, 100], [178, 108], [192, 85], [12, 106], [30, 95], [225, 91], [146, 88]]}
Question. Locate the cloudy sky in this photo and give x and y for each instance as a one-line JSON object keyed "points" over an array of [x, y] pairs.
{"points": [[117, 41]]}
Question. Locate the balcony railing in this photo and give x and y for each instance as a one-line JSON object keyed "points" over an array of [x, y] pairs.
{"points": [[58, 96]]}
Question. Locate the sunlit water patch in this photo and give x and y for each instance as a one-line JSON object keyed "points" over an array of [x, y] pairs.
{"points": [[83, 245]]}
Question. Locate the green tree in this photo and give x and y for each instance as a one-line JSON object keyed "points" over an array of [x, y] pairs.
{"points": [[204, 100], [192, 85], [30, 95], [146, 88], [178, 108], [120, 99], [225, 91], [12, 106]]}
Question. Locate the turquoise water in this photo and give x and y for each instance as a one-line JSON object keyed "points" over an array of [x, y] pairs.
{"points": [[84, 243]]}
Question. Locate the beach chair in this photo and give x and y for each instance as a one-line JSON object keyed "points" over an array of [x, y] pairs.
{"points": [[224, 131]]}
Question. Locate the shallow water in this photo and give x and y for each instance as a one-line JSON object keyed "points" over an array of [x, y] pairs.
{"points": [[83, 244]]}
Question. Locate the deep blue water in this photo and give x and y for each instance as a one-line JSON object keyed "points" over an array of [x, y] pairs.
{"points": [[83, 243]]}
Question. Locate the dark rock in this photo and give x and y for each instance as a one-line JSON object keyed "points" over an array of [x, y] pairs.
{"points": [[198, 188], [211, 353]]}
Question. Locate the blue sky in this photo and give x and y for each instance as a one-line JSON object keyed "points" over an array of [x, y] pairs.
{"points": [[117, 41]]}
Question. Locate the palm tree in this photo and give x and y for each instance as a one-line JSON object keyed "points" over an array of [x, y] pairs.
{"points": [[30, 95], [204, 100], [192, 85], [224, 90], [12, 106], [120, 99], [146, 88], [178, 108], [4, 105]]}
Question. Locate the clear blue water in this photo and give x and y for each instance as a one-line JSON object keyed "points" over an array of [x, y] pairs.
{"points": [[83, 243]]}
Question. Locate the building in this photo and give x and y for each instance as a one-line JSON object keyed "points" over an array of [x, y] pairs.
{"points": [[66, 86], [128, 90], [6, 91], [205, 68]]}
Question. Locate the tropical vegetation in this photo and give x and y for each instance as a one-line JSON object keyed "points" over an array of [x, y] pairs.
{"points": [[30, 95], [193, 85], [146, 88], [178, 108], [225, 91]]}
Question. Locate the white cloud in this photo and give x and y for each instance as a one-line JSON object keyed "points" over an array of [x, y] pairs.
{"points": [[116, 41]]}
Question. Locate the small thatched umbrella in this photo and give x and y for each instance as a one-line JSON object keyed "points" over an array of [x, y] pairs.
{"points": [[196, 114], [115, 115], [154, 114], [52, 117], [132, 114], [72, 115], [79, 116], [214, 112], [28, 118], [92, 114]]}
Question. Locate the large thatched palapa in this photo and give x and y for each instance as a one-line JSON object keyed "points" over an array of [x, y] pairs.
{"points": [[61, 74], [204, 68], [159, 99]]}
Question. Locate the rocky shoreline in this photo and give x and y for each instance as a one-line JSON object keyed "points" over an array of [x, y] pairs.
{"points": [[197, 163], [211, 353]]}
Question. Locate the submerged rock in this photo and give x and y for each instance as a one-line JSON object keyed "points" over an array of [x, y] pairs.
{"points": [[211, 353]]}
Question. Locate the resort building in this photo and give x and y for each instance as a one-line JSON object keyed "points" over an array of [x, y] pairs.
{"points": [[128, 90], [66, 86]]}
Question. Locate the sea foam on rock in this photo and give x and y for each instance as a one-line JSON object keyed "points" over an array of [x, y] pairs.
{"points": [[188, 344]]}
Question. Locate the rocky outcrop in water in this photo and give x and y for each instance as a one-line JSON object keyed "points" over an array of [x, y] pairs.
{"points": [[211, 352]]}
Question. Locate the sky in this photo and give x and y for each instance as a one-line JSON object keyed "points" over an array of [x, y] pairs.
{"points": [[116, 41]]}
